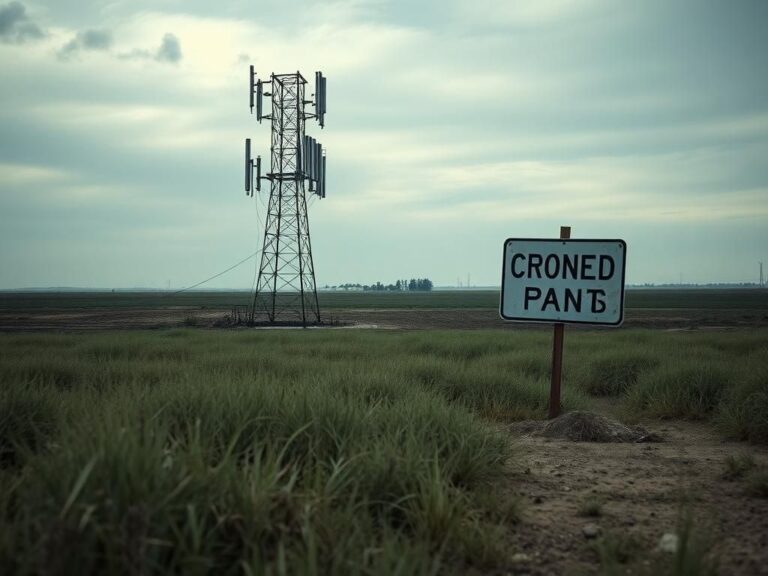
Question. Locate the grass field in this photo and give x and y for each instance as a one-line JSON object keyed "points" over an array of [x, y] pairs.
{"points": [[309, 452], [707, 299]]}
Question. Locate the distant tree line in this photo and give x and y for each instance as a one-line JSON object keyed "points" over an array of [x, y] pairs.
{"points": [[412, 285]]}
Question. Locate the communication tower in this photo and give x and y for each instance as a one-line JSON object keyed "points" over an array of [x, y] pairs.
{"points": [[286, 291]]}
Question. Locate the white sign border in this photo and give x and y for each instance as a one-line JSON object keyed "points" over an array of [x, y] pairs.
{"points": [[564, 241]]}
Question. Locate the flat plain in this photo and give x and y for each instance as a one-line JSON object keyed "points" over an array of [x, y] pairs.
{"points": [[406, 449], [455, 309]]}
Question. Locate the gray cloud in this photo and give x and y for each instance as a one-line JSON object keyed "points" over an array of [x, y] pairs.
{"points": [[86, 40], [137, 54], [96, 39], [170, 50], [648, 122], [15, 25]]}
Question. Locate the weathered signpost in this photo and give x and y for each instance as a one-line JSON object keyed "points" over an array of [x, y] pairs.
{"points": [[563, 281]]}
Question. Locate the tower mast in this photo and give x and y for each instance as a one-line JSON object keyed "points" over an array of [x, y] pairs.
{"points": [[286, 290]]}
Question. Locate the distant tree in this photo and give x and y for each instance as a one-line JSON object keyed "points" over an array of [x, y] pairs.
{"points": [[412, 285]]}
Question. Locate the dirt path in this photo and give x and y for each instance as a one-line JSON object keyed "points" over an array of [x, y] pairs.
{"points": [[642, 487]]}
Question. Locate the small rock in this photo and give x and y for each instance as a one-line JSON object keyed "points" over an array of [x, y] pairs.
{"points": [[591, 531], [650, 437], [538, 500], [567, 488], [630, 521], [668, 543], [521, 558]]}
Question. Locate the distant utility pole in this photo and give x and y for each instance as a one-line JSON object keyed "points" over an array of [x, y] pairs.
{"points": [[762, 279], [286, 289]]}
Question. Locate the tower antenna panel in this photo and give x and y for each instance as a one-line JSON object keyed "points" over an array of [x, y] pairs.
{"points": [[312, 154], [322, 178], [258, 174], [259, 104], [323, 100], [248, 165], [320, 98], [251, 77]]}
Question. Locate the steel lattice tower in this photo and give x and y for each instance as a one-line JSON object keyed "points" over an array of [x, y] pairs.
{"points": [[286, 291]]}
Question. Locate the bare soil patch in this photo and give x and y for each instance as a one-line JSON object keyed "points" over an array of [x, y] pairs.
{"points": [[642, 488], [401, 319]]}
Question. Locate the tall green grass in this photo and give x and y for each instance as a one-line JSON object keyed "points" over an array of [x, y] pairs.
{"points": [[744, 410], [245, 452], [717, 376], [276, 452]]}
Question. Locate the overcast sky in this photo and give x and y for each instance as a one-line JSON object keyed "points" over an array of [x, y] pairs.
{"points": [[451, 125]]}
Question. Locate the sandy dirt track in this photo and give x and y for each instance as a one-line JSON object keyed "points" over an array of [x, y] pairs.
{"points": [[642, 487]]}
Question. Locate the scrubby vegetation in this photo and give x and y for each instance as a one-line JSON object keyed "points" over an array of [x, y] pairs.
{"points": [[314, 452], [261, 453], [718, 377]]}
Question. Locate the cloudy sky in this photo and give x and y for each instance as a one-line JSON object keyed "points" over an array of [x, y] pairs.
{"points": [[452, 125]]}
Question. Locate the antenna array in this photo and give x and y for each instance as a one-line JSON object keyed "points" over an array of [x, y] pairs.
{"points": [[286, 289]]}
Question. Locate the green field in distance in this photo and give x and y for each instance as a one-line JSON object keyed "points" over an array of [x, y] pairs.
{"points": [[701, 298]]}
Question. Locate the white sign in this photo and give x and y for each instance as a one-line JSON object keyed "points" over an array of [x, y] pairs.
{"points": [[573, 281]]}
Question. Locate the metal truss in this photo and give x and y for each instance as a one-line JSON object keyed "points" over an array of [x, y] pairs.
{"points": [[286, 290]]}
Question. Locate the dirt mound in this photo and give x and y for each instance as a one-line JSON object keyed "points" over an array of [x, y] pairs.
{"points": [[586, 427]]}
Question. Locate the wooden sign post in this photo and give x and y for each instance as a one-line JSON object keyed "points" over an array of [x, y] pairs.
{"points": [[557, 353], [562, 281]]}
